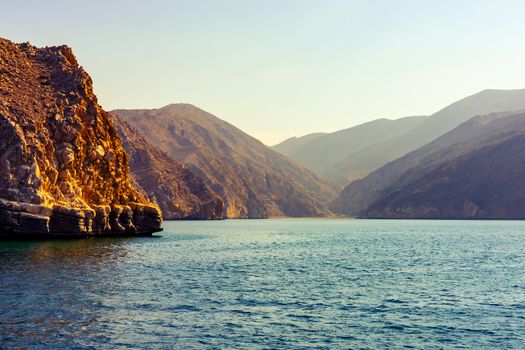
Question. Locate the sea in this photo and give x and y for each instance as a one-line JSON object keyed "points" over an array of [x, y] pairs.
{"points": [[271, 284]]}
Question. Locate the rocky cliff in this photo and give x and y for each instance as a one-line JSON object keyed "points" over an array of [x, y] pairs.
{"points": [[62, 168], [179, 193], [253, 180]]}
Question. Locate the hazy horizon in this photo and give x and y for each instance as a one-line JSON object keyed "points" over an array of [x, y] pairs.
{"points": [[279, 69]]}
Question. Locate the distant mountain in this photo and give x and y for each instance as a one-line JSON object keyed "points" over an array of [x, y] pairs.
{"points": [[323, 152], [293, 144], [358, 156], [484, 184], [452, 177], [179, 193], [253, 180]]}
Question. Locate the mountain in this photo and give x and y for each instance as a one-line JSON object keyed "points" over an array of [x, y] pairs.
{"points": [[179, 193], [385, 192], [253, 180], [484, 102], [323, 152], [484, 184], [380, 148], [293, 144], [62, 167]]}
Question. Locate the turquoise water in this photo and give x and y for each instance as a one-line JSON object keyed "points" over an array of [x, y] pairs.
{"points": [[271, 284]]}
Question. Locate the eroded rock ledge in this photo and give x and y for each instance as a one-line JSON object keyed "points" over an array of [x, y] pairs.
{"points": [[19, 220]]}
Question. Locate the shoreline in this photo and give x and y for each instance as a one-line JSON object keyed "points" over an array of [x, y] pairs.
{"points": [[34, 237]]}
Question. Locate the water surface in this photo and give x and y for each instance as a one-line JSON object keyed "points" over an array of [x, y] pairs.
{"points": [[271, 284]]}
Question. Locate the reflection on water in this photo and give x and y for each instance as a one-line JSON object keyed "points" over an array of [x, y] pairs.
{"points": [[80, 250], [293, 284], [51, 289]]}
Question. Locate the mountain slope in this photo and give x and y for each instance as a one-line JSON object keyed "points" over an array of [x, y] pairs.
{"points": [[380, 153], [179, 193], [291, 145], [63, 170], [353, 153], [253, 180], [484, 184], [321, 153], [468, 137]]}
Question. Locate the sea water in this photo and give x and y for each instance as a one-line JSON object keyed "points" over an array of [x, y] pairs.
{"points": [[271, 284]]}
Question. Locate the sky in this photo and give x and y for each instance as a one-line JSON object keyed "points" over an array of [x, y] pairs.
{"points": [[281, 68]]}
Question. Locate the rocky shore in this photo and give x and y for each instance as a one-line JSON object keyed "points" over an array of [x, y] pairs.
{"points": [[63, 171], [20, 220]]}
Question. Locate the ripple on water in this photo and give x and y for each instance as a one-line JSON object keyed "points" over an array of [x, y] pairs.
{"points": [[283, 284]]}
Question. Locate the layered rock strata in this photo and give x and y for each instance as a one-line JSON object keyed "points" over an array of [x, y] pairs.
{"points": [[63, 170]]}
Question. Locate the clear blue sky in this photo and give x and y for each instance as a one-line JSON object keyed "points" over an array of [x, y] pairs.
{"points": [[276, 68]]}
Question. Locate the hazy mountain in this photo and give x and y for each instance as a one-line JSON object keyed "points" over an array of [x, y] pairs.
{"points": [[179, 193], [253, 180], [360, 150], [322, 152], [291, 145], [379, 189]]}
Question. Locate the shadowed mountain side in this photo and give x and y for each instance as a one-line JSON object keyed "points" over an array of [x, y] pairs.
{"points": [[179, 193], [322, 152], [351, 154], [469, 136], [253, 180], [484, 184], [379, 154]]}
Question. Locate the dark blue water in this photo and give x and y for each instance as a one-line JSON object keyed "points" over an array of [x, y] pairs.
{"points": [[271, 284]]}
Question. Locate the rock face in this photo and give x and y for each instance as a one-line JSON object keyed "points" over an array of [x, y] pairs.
{"points": [[253, 180], [179, 193], [473, 171], [62, 168]]}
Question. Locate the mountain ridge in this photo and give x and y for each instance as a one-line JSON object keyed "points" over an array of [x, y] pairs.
{"points": [[363, 160], [475, 133], [253, 180], [323, 153]]}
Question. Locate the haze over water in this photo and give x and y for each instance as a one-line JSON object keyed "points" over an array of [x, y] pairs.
{"points": [[294, 284]]}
